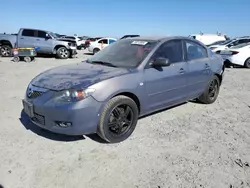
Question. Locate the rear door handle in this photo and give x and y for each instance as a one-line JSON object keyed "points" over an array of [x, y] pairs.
{"points": [[21, 38], [37, 39], [181, 71]]}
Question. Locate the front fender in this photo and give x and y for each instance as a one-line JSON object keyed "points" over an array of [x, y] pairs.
{"points": [[107, 89]]}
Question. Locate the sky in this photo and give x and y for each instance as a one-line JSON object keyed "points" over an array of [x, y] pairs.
{"points": [[116, 18]]}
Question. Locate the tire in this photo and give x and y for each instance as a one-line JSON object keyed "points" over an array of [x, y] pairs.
{"points": [[247, 63], [62, 53], [205, 97], [5, 51], [16, 59], [96, 50], [114, 133], [27, 59]]}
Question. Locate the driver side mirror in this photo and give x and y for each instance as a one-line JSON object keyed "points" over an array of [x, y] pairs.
{"points": [[48, 36], [161, 62]]}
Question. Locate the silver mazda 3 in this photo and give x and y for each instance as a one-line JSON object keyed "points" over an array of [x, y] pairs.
{"points": [[107, 93]]}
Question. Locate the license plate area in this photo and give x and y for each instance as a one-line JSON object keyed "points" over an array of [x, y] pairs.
{"points": [[28, 108]]}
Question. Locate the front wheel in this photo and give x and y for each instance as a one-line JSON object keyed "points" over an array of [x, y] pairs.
{"points": [[211, 92], [118, 119], [62, 53]]}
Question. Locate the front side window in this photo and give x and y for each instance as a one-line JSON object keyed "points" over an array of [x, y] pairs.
{"points": [[124, 53], [171, 50], [103, 41], [195, 51], [28, 33], [41, 34]]}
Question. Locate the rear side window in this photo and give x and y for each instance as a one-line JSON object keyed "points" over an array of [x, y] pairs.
{"points": [[195, 51], [28, 33], [172, 50], [41, 34]]}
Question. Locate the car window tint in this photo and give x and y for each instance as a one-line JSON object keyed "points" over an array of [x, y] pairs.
{"points": [[111, 41], [104, 41], [41, 34], [28, 33], [171, 50], [70, 37], [195, 51]]}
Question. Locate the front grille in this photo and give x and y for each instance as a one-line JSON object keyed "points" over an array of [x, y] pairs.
{"points": [[34, 94], [38, 119]]}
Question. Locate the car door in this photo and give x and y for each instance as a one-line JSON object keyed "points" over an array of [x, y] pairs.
{"points": [[199, 67], [102, 43], [27, 39], [166, 86], [44, 43]]}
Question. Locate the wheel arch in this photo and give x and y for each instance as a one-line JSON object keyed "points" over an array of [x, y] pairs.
{"points": [[5, 42], [132, 96], [57, 47]]}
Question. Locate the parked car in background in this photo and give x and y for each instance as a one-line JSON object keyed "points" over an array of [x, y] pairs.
{"points": [[237, 55], [98, 45], [88, 40], [47, 42], [131, 78], [79, 42], [7, 42], [229, 43], [129, 36], [208, 39], [218, 43]]}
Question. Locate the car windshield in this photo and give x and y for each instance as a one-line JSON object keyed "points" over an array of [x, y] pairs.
{"points": [[227, 42], [54, 35], [240, 45], [124, 53]]}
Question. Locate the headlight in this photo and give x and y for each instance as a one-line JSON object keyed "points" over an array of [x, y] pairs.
{"points": [[74, 95]]}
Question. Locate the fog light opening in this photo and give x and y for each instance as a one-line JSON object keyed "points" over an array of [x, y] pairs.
{"points": [[63, 124]]}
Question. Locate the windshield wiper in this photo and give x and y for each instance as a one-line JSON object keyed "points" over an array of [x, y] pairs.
{"points": [[103, 63]]}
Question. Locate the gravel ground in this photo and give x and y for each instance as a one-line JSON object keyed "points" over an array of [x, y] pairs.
{"points": [[192, 145]]}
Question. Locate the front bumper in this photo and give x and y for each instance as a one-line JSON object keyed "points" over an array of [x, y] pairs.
{"points": [[83, 115]]}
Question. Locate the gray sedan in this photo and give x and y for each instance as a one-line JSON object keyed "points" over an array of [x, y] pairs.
{"points": [[107, 93]]}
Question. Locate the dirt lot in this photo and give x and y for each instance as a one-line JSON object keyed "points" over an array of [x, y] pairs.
{"points": [[192, 145]]}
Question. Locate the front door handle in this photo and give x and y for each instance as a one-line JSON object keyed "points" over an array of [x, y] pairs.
{"points": [[181, 71], [21, 38], [206, 66]]}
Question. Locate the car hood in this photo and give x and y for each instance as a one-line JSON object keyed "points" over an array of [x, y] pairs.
{"points": [[66, 40], [79, 75]]}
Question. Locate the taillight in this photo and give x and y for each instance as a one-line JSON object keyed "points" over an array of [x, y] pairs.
{"points": [[234, 52]]}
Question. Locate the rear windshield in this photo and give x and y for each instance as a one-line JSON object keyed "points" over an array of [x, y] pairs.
{"points": [[125, 53]]}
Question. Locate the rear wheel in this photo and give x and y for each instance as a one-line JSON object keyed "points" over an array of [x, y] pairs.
{"points": [[96, 50], [5, 51], [118, 119], [211, 92], [247, 63], [62, 53]]}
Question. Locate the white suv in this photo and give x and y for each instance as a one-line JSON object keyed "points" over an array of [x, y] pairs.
{"points": [[229, 43]]}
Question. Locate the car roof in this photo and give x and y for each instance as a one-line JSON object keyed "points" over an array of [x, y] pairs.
{"points": [[159, 38]]}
